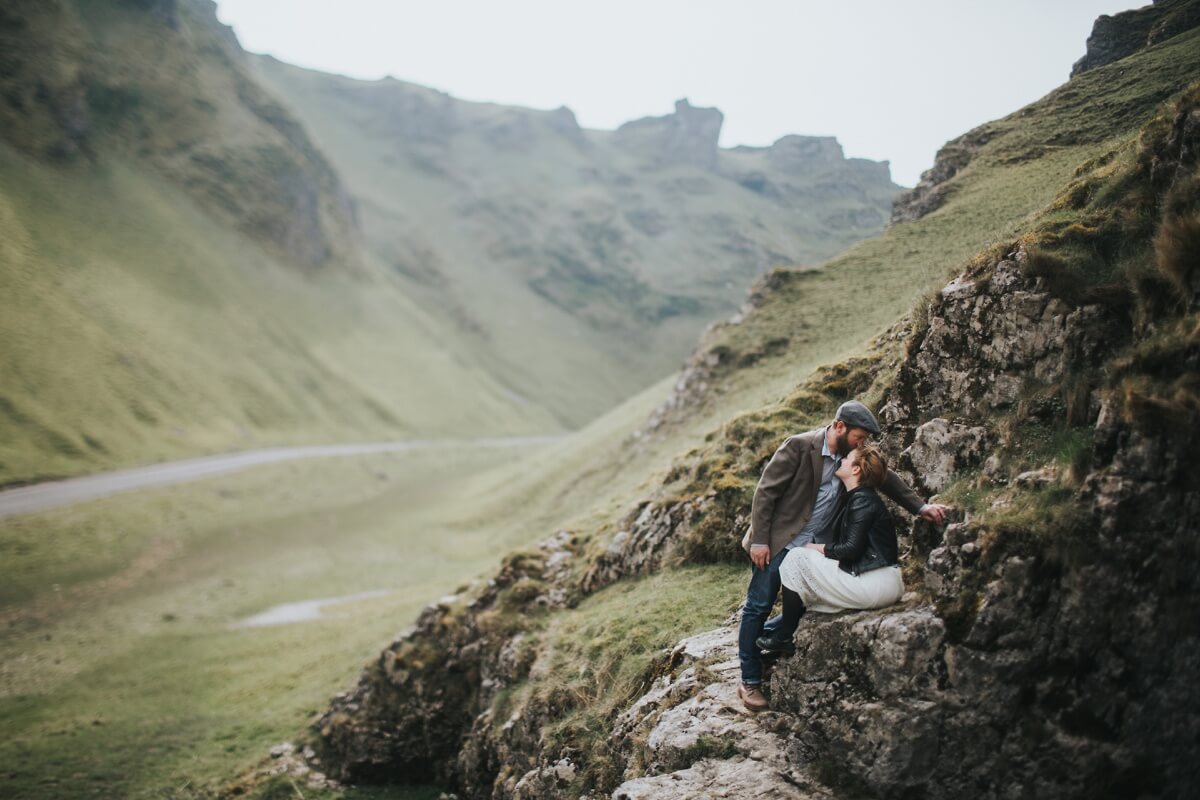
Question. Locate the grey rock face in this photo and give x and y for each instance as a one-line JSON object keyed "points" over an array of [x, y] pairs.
{"points": [[941, 448], [1120, 35], [991, 336], [691, 737], [799, 155], [689, 136]]}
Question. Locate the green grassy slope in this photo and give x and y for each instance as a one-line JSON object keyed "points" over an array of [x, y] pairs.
{"points": [[1019, 165], [137, 328], [163, 83], [581, 266], [121, 674], [182, 271]]}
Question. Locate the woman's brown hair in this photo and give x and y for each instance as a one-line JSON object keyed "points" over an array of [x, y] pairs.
{"points": [[872, 466]]}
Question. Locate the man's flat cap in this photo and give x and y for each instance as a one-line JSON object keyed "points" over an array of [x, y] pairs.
{"points": [[856, 415]]}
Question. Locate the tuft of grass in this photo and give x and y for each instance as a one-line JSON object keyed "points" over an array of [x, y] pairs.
{"points": [[713, 747], [1177, 252]]}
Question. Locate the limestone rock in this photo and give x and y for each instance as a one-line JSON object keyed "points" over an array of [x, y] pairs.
{"points": [[690, 736], [804, 154], [740, 778], [990, 336], [1037, 478], [941, 449]]}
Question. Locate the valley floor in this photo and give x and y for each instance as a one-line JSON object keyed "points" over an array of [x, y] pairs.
{"points": [[124, 671], [126, 666]]}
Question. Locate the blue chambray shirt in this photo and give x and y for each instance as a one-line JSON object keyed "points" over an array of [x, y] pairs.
{"points": [[827, 497]]}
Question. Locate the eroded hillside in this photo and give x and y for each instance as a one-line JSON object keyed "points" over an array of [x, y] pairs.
{"points": [[182, 270], [549, 244]]}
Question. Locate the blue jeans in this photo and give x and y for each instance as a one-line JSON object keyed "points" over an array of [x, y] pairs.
{"points": [[760, 599]]}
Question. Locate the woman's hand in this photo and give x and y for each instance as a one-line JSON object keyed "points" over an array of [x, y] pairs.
{"points": [[934, 512], [820, 548]]}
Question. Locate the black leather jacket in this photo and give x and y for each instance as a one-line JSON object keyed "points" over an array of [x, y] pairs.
{"points": [[864, 537]]}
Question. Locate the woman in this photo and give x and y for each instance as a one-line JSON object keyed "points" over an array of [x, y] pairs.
{"points": [[859, 568]]}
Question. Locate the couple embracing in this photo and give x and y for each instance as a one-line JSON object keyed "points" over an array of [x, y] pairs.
{"points": [[820, 532]]}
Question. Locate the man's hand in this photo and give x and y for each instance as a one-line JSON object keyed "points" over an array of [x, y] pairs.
{"points": [[820, 548], [934, 512], [760, 554]]}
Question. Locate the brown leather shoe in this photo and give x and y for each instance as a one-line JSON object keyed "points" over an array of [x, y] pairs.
{"points": [[752, 697]]}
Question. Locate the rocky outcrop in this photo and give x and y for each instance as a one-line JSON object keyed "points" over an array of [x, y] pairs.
{"points": [[942, 449], [934, 188], [691, 737], [1041, 670], [992, 336], [1121, 35], [688, 136], [800, 155]]}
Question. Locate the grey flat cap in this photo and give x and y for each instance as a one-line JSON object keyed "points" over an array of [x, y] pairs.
{"points": [[856, 415]]}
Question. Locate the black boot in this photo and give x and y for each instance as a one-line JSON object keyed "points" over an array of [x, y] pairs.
{"points": [[772, 646], [779, 641]]}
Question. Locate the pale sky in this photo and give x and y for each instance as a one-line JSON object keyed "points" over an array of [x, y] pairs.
{"points": [[891, 80]]}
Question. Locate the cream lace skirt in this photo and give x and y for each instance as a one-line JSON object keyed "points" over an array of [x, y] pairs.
{"points": [[823, 586]]}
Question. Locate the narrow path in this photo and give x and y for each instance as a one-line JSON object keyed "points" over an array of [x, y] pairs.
{"points": [[51, 494]]}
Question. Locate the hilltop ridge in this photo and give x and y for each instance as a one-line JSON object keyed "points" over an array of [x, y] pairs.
{"points": [[570, 245]]}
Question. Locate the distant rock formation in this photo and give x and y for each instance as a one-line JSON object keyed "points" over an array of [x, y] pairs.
{"points": [[689, 136], [1115, 37], [798, 155], [933, 189]]}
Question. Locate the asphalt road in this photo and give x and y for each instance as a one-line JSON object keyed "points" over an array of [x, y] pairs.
{"points": [[51, 494]]}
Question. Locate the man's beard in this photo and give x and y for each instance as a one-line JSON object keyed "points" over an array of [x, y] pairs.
{"points": [[843, 444]]}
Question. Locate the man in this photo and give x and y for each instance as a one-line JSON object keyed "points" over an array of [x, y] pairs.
{"points": [[795, 504]]}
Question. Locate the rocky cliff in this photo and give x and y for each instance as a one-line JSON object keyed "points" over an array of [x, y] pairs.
{"points": [[1049, 392], [688, 136], [1120, 35]]}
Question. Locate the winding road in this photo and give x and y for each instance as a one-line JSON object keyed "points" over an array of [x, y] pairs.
{"points": [[52, 494]]}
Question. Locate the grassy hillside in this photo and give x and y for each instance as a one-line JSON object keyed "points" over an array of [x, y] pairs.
{"points": [[185, 271], [181, 269], [1017, 166], [163, 82], [122, 674], [584, 263], [137, 328]]}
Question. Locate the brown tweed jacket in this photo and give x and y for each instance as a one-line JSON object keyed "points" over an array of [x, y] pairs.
{"points": [[787, 492]]}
